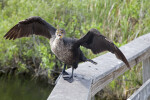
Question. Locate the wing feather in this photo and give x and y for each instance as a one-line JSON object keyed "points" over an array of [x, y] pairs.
{"points": [[98, 43], [33, 25]]}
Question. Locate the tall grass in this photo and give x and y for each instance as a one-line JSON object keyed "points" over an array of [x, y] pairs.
{"points": [[119, 20]]}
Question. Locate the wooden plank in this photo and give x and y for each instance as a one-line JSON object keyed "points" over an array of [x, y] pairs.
{"points": [[103, 81], [92, 78], [146, 69], [142, 93], [71, 91]]}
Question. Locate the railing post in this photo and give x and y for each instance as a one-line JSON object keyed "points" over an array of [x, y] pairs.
{"points": [[146, 69]]}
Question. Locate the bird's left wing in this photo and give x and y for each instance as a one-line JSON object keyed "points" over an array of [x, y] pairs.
{"points": [[98, 43]]}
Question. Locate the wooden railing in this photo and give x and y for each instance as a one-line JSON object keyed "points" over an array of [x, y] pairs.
{"points": [[143, 93], [89, 78]]}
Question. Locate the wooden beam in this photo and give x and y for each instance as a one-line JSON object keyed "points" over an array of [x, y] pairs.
{"points": [[146, 69], [110, 68], [92, 78], [142, 93], [78, 90]]}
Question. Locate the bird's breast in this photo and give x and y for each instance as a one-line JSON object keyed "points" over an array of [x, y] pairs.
{"points": [[62, 51]]}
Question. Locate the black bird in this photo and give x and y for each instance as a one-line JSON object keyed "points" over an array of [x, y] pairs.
{"points": [[66, 49]]}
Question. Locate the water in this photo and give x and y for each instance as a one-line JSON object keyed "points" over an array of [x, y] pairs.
{"points": [[22, 89]]}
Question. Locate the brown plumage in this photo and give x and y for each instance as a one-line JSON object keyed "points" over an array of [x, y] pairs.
{"points": [[32, 25], [66, 49], [98, 43]]}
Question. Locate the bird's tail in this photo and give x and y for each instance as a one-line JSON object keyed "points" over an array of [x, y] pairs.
{"points": [[121, 56]]}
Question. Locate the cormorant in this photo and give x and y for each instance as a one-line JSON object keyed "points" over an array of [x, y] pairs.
{"points": [[66, 49]]}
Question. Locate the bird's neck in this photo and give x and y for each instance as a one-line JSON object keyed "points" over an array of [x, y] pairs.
{"points": [[58, 40]]}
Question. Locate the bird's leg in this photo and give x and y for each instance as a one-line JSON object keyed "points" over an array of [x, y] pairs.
{"points": [[91, 61], [63, 71], [69, 78]]}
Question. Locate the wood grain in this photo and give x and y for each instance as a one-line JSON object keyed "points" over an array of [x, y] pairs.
{"points": [[146, 69]]}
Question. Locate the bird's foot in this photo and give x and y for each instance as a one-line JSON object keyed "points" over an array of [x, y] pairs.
{"points": [[64, 73], [68, 78]]}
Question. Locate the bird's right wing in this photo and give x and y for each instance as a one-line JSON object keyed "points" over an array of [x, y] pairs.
{"points": [[98, 43], [33, 25]]}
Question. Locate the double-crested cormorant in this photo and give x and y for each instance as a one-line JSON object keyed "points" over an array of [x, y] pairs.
{"points": [[67, 50]]}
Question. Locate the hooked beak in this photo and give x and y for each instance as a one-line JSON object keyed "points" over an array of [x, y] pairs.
{"points": [[58, 32], [60, 36]]}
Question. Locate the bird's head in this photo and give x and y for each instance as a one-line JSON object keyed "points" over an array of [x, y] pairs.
{"points": [[60, 33]]}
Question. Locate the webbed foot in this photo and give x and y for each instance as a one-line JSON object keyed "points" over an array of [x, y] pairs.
{"points": [[64, 73], [68, 78]]}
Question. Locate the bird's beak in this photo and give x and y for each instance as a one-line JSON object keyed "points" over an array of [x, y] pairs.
{"points": [[59, 33], [61, 36]]}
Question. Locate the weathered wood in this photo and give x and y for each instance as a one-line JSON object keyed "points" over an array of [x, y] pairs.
{"points": [[92, 78], [146, 69], [135, 51], [142, 93], [78, 90]]}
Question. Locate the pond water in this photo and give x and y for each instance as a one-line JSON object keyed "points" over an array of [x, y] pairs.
{"points": [[22, 89]]}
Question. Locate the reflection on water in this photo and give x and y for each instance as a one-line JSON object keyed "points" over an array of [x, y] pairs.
{"points": [[21, 89]]}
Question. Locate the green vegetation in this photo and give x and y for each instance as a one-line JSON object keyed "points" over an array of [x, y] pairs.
{"points": [[119, 20]]}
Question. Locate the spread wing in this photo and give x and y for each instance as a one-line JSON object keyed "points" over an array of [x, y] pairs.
{"points": [[98, 43], [32, 25]]}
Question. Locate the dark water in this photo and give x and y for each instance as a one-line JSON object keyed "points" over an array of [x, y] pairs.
{"points": [[22, 89]]}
